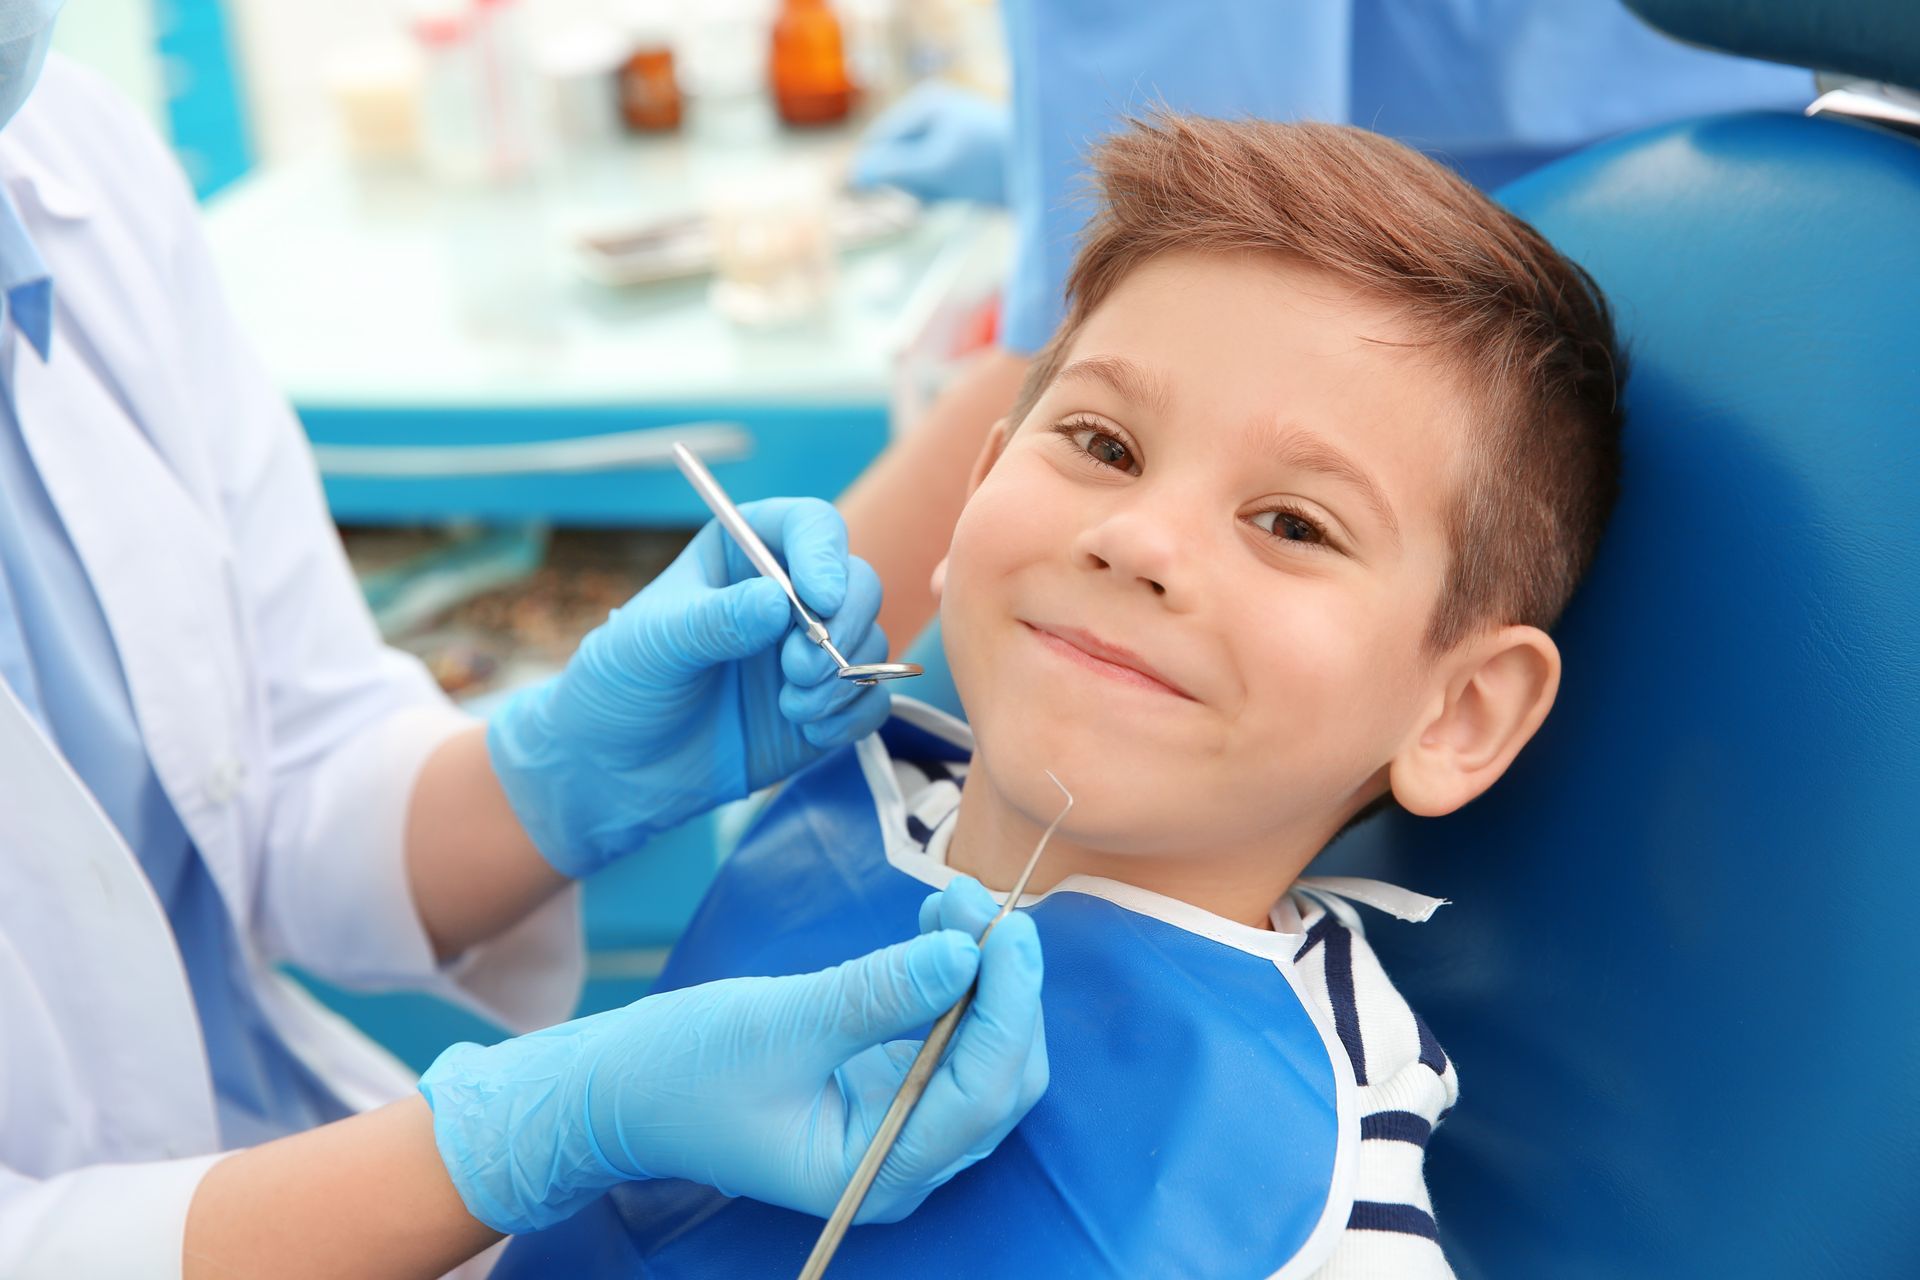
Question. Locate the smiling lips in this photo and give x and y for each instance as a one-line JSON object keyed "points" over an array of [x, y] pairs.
{"points": [[1087, 650]]}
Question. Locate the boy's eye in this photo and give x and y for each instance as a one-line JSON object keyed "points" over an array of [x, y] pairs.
{"points": [[1289, 524], [1102, 446]]}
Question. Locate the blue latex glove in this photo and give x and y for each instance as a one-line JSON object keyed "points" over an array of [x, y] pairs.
{"points": [[763, 1087], [938, 143], [687, 696]]}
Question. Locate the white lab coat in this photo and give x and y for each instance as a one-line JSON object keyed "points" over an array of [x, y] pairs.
{"points": [[285, 734]]}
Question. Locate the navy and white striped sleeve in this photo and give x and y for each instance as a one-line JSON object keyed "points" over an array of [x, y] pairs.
{"points": [[1407, 1084]]}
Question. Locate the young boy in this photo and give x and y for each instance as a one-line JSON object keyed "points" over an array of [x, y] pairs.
{"points": [[1270, 540]]}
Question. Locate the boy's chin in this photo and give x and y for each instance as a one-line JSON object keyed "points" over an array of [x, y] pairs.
{"points": [[1113, 782], [1133, 795]]}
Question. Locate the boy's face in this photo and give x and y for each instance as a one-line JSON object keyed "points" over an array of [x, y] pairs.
{"points": [[1195, 581]]}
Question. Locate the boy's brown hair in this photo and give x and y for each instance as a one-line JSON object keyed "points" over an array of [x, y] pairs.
{"points": [[1526, 330]]}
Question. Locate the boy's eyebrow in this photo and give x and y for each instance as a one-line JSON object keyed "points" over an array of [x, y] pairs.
{"points": [[1299, 447], [1132, 382]]}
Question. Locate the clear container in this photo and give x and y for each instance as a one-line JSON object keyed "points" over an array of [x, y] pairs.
{"points": [[579, 75], [875, 48], [453, 139], [478, 120], [375, 91], [507, 89], [773, 246]]}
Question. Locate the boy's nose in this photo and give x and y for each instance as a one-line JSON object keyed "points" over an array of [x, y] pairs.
{"points": [[1135, 546], [1159, 588]]}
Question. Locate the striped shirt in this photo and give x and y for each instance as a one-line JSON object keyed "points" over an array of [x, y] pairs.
{"points": [[1406, 1083]]}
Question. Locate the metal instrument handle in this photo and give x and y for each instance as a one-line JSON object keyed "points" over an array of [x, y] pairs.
{"points": [[919, 1072], [650, 447], [918, 1075], [736, 524]]}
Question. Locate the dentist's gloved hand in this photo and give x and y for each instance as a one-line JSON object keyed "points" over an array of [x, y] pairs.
{"points": [[938, 143], [699, 690], [763, 1087]]}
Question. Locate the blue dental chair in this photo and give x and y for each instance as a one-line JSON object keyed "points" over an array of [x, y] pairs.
{"points": [[1676, 975]]}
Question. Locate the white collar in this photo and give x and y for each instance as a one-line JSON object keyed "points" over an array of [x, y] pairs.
{"points": [[30, 180], [929, 865]]}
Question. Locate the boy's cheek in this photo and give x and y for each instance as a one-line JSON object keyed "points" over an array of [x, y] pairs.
{"points": [[1000, 531], [1019, 503], [964, 614]]}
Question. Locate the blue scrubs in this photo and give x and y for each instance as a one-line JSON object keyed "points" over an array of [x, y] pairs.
{"points": [[1493, 87], [58, 657]]}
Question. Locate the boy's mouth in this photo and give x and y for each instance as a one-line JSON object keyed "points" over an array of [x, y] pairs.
{"points": [[1103, 658]]}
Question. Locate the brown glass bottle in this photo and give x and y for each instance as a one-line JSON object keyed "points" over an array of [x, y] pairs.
{"points": [[809, 65], [649, 91]]}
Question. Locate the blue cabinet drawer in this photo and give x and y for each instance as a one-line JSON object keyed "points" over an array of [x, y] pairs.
{"points": [[585, 465]]}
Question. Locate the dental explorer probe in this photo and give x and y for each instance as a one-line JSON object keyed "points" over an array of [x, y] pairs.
{"points": [[917, 1078], [736, 524]]}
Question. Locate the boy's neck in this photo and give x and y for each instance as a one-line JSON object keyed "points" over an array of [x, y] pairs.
{"points": [[992, 841]]}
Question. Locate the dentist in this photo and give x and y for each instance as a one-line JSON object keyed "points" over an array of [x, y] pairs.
{"points": [[210, 766]]}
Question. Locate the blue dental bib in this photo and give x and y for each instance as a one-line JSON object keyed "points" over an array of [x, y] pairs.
{"points": [[1199, 1122]]}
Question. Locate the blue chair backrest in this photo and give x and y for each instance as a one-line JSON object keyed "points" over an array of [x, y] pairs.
{"points": [[1870, 39], [1676, 976]]}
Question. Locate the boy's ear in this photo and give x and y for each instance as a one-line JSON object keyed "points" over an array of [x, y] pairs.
{"points": [[990, 450], [1498, 689]]}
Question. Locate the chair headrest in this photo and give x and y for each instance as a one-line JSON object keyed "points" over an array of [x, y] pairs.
{"points": [[1872, 39], [1679, 927]]}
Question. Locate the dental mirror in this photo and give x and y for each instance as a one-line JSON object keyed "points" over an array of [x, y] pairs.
{"points": [[736, 525]]}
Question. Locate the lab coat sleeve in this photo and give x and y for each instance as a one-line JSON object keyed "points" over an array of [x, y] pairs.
{"points": [[103, 1220], [350, 721]]}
